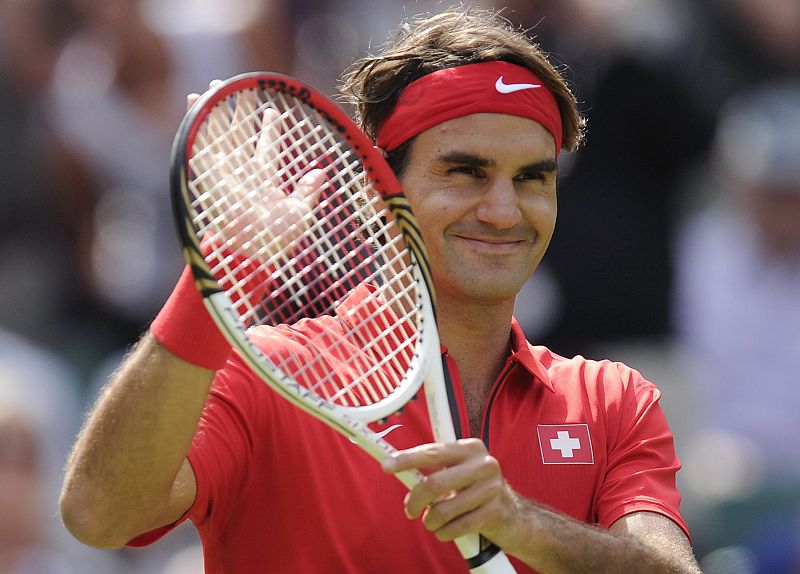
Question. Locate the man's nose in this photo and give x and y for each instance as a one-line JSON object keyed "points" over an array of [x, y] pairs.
{"points": [[499, 206]]}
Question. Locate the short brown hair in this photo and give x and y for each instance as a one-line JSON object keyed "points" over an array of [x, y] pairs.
{"points": [[453, 38]]}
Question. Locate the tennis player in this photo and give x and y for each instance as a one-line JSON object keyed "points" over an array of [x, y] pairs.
{"points": [[568, 465]]}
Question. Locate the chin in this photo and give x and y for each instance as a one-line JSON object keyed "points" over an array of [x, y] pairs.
{"points": [[490, 293], [487, 285]]}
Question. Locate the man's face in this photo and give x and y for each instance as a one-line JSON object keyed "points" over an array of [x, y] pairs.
{"points": [[483, 188]]}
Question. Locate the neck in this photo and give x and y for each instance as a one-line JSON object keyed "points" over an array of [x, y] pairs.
{"points": [[477, 337]]}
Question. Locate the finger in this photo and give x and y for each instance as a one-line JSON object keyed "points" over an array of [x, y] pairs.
{"points": [[439, 486], [218, 122], [204, 163], [433, 455], [309, 188], [243, 126], [240, 144], [203, 138], [465, 524], [191, 99], [207, 156], [299, 205], [467, 511], [226, 139], [268, 148]]}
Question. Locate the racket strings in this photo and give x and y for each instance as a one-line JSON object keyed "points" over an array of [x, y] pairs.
{"points": [[214, 157], [255, 149], [351, 265], [386, 345], [387, 338]]}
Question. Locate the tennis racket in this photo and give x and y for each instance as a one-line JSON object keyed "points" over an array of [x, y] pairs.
{"points": [[284, 208]]}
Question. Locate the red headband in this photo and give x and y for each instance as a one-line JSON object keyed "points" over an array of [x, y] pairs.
{"points": [[487, 87]]}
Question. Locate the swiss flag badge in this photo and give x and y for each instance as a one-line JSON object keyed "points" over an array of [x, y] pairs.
{"points": [[565, 444]]}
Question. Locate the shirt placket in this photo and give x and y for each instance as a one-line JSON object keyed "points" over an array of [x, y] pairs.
{"points": [[458, 404]]}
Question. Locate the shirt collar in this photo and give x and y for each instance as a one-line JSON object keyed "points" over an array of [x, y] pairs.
{"points": [[523, 353]]}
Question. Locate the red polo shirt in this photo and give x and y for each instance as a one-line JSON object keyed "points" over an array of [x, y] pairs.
{"points": [[279, 491]]}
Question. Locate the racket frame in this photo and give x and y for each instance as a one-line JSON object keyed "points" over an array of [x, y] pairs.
{"points": [[426, 366]]}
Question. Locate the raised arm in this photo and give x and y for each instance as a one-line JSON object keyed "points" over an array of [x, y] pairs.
{"points": [[128, 472]]}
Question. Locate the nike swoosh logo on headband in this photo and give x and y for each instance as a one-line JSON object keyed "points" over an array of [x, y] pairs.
{"points": [[504, 88]]}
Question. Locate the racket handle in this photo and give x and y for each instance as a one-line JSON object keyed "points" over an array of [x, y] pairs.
{"points": [[490, 560]]}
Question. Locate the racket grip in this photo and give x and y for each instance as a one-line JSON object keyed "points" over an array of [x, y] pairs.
{"points": [[489, 560]]}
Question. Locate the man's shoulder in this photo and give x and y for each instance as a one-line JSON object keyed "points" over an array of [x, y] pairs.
{"points": [[592, 375]]}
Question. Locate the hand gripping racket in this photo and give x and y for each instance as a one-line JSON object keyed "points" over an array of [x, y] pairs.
{"points": [[284, 208]]}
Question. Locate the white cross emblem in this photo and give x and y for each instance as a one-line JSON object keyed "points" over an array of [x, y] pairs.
{"points": [[565, 444]]}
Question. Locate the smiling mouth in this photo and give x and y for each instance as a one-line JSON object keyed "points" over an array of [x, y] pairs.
{"points": [[496, 240], [493, 244]]}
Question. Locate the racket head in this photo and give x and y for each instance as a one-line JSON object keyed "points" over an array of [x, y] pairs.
{"points": [[263, 139]]}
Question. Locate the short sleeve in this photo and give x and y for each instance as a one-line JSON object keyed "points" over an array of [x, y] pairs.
{"points": [[642, 463], [221, 449]]}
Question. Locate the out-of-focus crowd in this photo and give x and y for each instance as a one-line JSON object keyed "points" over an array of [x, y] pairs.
{"points": [[677, 248]]}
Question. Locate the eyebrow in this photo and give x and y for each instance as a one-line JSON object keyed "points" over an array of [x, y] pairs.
{"points": [[464, 158]]}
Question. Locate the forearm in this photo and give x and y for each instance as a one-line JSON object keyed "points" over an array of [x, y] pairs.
{"points": [[465, 493], [553, 543], [121, 472]]}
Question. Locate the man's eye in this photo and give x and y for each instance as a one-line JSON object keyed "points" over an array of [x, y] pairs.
{"points": [[466, 170], [531, 176]]}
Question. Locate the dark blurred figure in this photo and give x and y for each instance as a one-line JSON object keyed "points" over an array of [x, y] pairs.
{"points": [[36, 280], [116, 97], [738, 316], [651, 76], [331, 34]]}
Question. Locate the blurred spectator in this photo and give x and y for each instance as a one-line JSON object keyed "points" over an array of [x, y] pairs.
{"points": [[738, 316], [36, 281], [608, 268], [115, 100], [651, 77], [21, 537], [40, 410], [39, 415], [332, 34]]}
